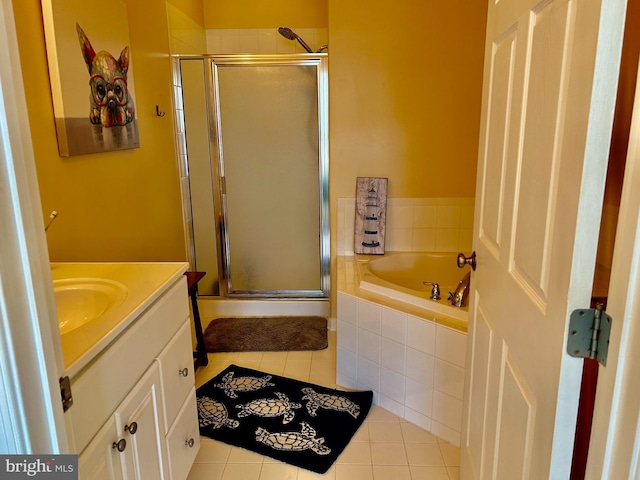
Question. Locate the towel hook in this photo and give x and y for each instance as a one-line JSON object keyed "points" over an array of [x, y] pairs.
{"points": [[158, 112]]}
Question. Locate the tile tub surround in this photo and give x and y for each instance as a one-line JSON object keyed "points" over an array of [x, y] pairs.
{"points": [[412, 359], [415, 224]]}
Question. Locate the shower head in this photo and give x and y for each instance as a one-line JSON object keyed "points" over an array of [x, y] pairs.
{"points": [[291, 35]]}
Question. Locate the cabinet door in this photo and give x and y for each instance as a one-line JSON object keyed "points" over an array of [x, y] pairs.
{"points": [[183, 439], [176, 370], [100, 460], [140, 422]]}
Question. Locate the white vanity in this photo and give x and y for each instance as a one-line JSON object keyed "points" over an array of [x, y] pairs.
{"points": [[126, 338]]}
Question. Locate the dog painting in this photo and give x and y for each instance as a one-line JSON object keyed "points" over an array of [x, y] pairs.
{"points": [[90, 58], [110, 103]]}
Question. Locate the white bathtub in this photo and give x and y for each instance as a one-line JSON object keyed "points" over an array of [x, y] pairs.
{"points": [[400, 276]]}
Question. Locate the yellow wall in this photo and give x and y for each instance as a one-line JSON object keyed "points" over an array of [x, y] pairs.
{"points": [[115, 206], [192, 8], [265, 13], [405, 93]]}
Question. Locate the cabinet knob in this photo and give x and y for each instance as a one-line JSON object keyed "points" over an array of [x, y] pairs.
{"points": [[184, 372], [120, 445], [132, 429], [189, 443]]}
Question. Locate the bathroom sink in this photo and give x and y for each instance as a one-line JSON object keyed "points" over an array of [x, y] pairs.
{"points": [[82, 300]]}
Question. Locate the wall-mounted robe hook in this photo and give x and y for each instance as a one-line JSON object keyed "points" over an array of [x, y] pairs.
{"points": [[158, 112]]}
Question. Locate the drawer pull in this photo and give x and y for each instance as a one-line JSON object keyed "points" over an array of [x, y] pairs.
{"points": [[120, 445], [184, 372], [189, 443], [132, 429]]}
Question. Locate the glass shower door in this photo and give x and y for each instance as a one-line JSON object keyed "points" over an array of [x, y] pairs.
{"points": [[272, 155]]}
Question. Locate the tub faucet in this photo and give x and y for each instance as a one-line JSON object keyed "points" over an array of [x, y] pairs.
{"points": [[435, 291], [461, 295]]}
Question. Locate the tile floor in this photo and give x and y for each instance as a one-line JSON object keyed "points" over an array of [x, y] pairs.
{"points": [[386, 447]]}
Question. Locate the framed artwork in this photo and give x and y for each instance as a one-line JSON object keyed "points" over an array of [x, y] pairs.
{"points": [[91, 75], [371, 215]]}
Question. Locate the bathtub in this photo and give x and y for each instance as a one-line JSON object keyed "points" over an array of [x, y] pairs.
{"points": [[392, 339], [400, 276]]}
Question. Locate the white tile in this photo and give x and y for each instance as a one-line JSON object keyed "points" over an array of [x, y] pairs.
{"points": [[420, 366], [368, 374], [401, 202], [388, 453], [417, 418], [399, 216], [449, 379], [267, 41], [385, 432], [347, 363], [466, 216], [241, 455], [418, 397], [451, 454], [448, 217], [424, 454], [428, 473], [465, 241], [369, 345], [393, 355], [369, 316], [424, 240], [394, 324], [414, 434], [392, 385], [377, 414], [348, 336], [421, 334], [308, 475], [399, 239], [391, 405], [241, 471], [447, 239], [451, 345], [346, 382], [278, 471], [442, 431], [212, 451], [206, 471], [347, 308], [425, 216], [356, 453], [391, 472], [354, 472], [454, 473], [447, 410]]}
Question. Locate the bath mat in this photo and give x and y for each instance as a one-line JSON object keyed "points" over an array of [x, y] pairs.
{"points": [[296, 422], [266, 334]]}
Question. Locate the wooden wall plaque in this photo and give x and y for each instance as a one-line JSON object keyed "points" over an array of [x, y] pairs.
{"points": [[371, 215]]}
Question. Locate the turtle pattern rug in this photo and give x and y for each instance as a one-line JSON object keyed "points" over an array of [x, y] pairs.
{"points": [[296, 422]]}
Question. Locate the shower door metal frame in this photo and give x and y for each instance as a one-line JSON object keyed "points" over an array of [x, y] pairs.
{"points": [[318, 60]]}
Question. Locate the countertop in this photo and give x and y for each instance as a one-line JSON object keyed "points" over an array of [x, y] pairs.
{"points": [[144, 282]]}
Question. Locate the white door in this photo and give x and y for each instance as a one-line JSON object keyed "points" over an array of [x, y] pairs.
{"points": [[544, 144], [615, 441]]}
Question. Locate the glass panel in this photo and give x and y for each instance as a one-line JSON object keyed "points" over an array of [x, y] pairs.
{"points": [[196, 119], [269, 129]]}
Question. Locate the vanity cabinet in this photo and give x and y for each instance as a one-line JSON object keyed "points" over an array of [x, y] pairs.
{"points": [[134, 414]]}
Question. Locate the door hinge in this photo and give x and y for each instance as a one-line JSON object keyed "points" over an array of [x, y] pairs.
{"points": [[65, 392], [589, 331]]}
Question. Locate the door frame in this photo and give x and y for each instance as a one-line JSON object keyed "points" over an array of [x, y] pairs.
{"points": [[31, 361]]}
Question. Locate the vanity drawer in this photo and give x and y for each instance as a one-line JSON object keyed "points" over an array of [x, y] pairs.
{"points": [[176, 369], [183, 439]]}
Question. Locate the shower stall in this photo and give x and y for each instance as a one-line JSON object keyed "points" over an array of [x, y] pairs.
{"points": [[252, 131]]}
